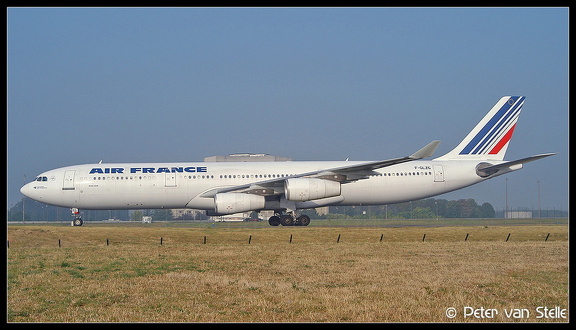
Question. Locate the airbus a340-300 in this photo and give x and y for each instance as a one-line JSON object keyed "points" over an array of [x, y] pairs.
{"points": [[285, 187]]}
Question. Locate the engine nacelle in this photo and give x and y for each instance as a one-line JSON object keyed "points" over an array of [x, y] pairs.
{"points": [[228, 203], [304, 189]]}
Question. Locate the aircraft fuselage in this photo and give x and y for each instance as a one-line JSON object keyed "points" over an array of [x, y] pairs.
{"points": [[179, 185]]}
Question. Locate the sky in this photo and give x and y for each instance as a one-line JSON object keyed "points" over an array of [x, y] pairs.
{"points": [[181, 84]]}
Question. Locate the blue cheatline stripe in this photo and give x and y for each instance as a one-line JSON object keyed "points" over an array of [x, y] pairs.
{"points": [[491, 123]]}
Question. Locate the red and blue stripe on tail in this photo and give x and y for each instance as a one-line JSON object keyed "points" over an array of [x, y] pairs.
{"points": [[490, 137]]}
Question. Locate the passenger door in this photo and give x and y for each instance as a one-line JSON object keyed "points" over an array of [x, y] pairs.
{"points": [[170, 180], [438, 173], [68, 180]]}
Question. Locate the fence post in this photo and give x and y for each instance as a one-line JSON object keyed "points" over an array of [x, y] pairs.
{"points": [[423, 237], [338, 240], [381, 237], [249, 239], [546, 240], [465, 239], [204, 239], [507, 238], [290, 238]]}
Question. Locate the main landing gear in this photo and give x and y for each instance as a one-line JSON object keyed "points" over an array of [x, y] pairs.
{"points": [[289, 220], [77, 217]]}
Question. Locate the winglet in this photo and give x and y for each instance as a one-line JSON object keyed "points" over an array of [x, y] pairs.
{"points": [[427, 151]]}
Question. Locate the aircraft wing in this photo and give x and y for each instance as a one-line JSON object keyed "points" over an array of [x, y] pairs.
{"points": [[362, 171], [343, 174]]}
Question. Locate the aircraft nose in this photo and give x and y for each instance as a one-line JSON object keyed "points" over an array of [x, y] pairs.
{"points": [[26, 190], [30, 190]]}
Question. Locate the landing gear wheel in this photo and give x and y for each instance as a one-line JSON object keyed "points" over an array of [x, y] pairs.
{"points": [[77, 217], [274, 221], [287, 220], [304, 220]]}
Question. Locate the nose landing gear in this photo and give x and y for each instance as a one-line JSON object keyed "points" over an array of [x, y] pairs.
{"points": [[77, 217]]}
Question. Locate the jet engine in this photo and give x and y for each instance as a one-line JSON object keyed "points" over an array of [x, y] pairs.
{"points": [[228, 203], [304, 189]]}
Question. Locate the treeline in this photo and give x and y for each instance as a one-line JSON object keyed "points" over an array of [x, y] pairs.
{"points": [[420, 209]]}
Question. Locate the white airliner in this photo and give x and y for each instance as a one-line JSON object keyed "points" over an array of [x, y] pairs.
{"points": [[285, 187]]}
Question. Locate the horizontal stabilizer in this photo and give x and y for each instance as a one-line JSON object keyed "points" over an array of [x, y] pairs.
{"points": [[486, 171]]}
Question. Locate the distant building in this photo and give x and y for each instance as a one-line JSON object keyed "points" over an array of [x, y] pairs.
{"points": [[231, 217], [187, 214], [246, 157], [518, 215]]}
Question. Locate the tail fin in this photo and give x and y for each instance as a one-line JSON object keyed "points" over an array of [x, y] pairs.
{"points": [[490, 137]]}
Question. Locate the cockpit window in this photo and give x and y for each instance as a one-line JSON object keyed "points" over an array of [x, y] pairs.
{"points": [[41, 178]]}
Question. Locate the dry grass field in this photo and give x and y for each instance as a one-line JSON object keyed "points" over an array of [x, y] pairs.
{"points": [[103, 273]]}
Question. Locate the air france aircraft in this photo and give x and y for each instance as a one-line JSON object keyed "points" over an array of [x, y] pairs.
{"points": [[222, 188]]}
